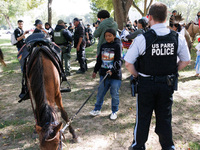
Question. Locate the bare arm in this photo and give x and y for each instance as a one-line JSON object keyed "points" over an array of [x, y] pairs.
{"points": [[131, 69], [182, 64]]}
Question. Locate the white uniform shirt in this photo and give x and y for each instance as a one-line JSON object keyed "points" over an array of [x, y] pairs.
{"points": [[139, 45]]}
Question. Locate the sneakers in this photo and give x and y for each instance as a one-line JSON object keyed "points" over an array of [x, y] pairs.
{"points": [[113, 116], [95, 112]]}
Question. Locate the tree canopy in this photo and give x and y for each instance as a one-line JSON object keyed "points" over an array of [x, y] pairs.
{"points": [[12, 8]]}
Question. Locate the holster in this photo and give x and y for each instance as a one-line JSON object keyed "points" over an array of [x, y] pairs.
{"points": [[134, 86], [172, 80]]}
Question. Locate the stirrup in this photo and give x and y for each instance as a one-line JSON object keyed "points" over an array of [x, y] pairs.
{"points": [[65, 90], [25, 97], [68, 89]]}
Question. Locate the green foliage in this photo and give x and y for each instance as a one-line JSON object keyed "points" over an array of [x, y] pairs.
{"points": [[97, 5], [194, 145], [14, 8]]}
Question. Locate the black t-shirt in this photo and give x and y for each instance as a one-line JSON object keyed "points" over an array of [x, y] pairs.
{"points": [[19, 32], [79, 32], [70, 29], [109, 58]]}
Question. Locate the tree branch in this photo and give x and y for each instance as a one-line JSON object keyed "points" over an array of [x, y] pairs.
{"points": [[138, 9], [149, 5]]}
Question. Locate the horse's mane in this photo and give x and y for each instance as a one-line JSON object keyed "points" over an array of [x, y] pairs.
{"points": [[44, 112]]}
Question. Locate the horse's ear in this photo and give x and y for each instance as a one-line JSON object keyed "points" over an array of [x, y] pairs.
{"points": [[38, 129], [58, 128]]}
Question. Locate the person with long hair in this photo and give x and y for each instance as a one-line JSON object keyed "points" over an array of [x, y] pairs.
{"points": [[142, 28]]}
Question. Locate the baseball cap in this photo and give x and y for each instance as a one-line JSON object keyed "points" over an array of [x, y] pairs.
{"points": [[61, 21], [76, 19], [37, 22]]}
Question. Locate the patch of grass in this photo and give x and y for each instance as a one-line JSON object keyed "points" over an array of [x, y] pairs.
{"points": [[16, 122], [194, 146], [3, 41]]}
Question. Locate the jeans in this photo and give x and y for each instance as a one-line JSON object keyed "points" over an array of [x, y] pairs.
{"points": [[114, 86]]}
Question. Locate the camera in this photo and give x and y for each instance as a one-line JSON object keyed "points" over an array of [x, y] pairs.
{"points": [[97, 22]]}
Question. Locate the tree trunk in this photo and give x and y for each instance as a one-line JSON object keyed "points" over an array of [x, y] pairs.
{"points": [[121, 8], [8, 21], [50, 12]]}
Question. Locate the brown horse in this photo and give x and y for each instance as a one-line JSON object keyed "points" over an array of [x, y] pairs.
{"points": [[44, 87], [193, 30], [2, 58]]}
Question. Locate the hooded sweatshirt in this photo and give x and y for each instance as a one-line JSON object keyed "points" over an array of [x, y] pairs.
{"points": [[109, 58], [108, 23]]}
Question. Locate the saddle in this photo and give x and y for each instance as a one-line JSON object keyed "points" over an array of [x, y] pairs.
{"points": [[33, 45]]}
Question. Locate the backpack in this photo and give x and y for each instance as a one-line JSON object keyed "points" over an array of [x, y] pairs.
{"points": [[13, 39]]}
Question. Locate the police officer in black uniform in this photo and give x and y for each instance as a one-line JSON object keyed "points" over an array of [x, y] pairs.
{"points": [[156, 68], [79, 44]]}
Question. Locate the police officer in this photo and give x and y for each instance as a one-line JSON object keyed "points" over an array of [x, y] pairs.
{"points": [[156, 70], [63, 39], [79, 44]]}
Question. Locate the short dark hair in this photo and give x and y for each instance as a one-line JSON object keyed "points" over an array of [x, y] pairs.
{"points": [[158, 11], [103, 14], [174, 11], [19, 21], [112, 31], [136, 21], [76, 19]]}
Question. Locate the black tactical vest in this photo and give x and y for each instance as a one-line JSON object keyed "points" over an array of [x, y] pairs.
{"points": [[160, 57]]}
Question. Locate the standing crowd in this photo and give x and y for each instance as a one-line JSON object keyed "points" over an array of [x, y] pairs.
{"points": [[153, 55]]}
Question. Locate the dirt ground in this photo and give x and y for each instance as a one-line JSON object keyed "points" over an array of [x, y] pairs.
{"points": [[95, 133]]}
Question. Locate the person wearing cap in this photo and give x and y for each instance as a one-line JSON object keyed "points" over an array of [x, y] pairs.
{"points": [[38, 24], [174, 12], [106, 22], [79, 44], [152, 59], [63, 38]]}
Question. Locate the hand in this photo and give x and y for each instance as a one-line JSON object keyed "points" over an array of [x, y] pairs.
{"points": [[23, 36], [89, 41], [109, 72], [78, 48], [94, 75], [26, 32]]}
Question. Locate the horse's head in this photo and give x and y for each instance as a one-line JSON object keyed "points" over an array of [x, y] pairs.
{"points": [[1, 58], [52, 141]]}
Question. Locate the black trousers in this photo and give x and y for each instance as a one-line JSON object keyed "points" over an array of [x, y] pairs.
{"points": [[82, 58], [158, 97]]}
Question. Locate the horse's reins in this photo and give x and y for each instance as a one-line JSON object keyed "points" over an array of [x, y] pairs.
{"points": [[72, 118]]}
